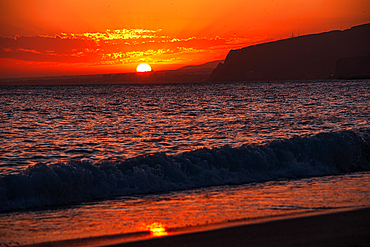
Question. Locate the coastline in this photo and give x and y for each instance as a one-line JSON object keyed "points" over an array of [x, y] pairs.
{"points": [[344, 228], [350, 227]]}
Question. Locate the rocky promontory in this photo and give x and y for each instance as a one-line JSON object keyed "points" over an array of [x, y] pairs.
{"points": [[307, 57]]}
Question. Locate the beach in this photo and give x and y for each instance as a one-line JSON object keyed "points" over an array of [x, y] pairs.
{"points": [[346, 228], [337, 228]]}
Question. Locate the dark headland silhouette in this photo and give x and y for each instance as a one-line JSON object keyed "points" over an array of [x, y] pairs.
{"points": [[336, 54]]}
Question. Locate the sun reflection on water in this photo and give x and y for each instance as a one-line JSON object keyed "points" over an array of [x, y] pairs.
{"points": [[157, 229]]}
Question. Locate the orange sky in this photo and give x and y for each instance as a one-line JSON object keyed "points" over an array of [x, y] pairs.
{"points": [[66, 37]]}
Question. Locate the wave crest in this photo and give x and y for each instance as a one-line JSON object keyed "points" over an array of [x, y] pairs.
{"points": [[76, 181]]}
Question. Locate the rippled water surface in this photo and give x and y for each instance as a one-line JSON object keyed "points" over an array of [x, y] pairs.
{"points": [[75, 163], [114, 122]]}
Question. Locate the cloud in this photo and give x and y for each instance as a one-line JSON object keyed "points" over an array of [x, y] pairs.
{"points": [[115, 46]]}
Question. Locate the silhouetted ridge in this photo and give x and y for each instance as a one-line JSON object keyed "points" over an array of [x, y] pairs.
{"points": [[305, 57], [353, 68]]}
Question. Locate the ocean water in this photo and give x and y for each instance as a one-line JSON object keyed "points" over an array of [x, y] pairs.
{"points": [[112, 160]]}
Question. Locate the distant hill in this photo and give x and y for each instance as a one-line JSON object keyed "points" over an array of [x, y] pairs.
{"points": [[192, 73], [353, 68], [301, 58], [206, 66]]}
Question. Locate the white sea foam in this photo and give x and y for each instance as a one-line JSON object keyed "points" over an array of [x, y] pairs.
{"points": [[76, 181]]}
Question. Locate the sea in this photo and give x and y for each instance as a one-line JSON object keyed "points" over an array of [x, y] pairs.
{"points": [[100, 164]]}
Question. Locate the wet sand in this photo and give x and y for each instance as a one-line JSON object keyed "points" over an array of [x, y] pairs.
{"points": [[348, 228], [340, 228]]}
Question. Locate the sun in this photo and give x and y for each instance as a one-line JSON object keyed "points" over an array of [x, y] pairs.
{"points": [[143, 68]]}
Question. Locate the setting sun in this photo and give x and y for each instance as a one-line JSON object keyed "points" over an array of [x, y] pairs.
{"points": [[143, 68]]}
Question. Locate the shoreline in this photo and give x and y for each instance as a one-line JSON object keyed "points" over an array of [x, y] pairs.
{"points": [[338, 227], [343, 228]]}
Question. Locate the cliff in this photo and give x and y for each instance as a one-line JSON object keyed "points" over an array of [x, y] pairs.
{"points": [[353, 68], [300, 58]]}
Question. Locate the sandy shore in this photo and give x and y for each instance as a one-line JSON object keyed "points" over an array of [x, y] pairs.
{"points": [[349, 228], [344, 228]]}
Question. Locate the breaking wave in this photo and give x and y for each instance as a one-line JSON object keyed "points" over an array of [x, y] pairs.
{"points": [[77, 181]]}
